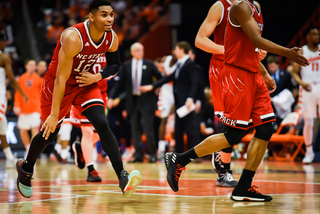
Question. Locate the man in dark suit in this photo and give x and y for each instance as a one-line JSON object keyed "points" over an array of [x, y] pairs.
{"points": [[283, 81], [185, 87], [133, 74]]}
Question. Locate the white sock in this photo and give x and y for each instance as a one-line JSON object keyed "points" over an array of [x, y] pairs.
{"points": [[162, 145], [58, 147], [64, 153], [309, 149], [88, 164], [8, 153]]}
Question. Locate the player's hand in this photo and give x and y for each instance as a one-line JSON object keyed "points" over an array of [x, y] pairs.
{"points": [[110, 77], [110, 103], [271, 84], [189, 103], [146, 88], [262, 54], [297, 57], [306, 86], [87, 78], [49, 126]]}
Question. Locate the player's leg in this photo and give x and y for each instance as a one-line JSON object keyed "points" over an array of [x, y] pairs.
{"points": [[309, 109], [5, 146], [127, 182], [25, 167], [308, 136], [87, 150]]}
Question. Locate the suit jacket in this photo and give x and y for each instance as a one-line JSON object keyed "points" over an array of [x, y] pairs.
{"points": [[285, 82], [185, 86], [148, 101]]}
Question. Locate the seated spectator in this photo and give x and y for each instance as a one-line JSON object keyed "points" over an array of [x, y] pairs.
{"points": [[283, 97]]}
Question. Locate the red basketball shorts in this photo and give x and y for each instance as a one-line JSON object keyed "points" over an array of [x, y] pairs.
{"points": [[77, 119], [80, 97], [246, 99], [215, 84]]}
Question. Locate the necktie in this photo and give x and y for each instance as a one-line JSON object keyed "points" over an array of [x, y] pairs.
{"points": [[136, 86], [177, 70]]}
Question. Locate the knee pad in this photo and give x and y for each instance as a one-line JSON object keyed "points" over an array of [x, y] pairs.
{"points": [[264, 131], [234, 135]]}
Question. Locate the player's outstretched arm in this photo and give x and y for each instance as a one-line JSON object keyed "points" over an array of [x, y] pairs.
{"points": [[240, 14], [12, 79], [207, 28], [71, 46], [295, 74]]}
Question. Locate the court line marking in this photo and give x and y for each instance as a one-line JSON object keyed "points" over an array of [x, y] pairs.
{"points": [[50, 199]]}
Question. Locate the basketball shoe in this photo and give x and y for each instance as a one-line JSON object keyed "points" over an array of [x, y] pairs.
{"points": [[93, 176], [308, 158], [78, 155], [174, 170], [225, 179], [250, 194], [23, 180], [129, 182]]}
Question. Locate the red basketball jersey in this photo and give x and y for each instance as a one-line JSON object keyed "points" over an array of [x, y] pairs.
{"points": [[219, 31], [88, 55], [239, 50], [101, 62]]}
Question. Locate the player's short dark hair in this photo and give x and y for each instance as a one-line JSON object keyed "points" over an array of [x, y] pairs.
{"points": [[307, 31], [185, 46], [3, 37], [273, 59], [95, 4]]}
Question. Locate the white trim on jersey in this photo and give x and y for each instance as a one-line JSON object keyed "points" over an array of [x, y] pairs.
{"points": [[92, 100], [73, 28], [221, 18], [266, 116], [88, 33], [242, 122], [112, 39], [230, 19], [252, 12]]}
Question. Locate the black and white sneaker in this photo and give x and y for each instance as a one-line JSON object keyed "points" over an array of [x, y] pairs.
{"points": [[251, 194], [78, 155], [174, 170], [225, 179]]}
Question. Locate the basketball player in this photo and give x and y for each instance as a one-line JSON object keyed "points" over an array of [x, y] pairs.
{"points": [[215, 23], [76, 52], [245, 97], [310, 87], [6, 70], [85, 149], [165, 102]]}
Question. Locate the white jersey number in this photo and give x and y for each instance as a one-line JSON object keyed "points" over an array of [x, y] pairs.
{"points": [[86, 67]]}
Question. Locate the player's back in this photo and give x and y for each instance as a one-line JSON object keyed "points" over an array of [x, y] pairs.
{"points": [[88, 55], [219, 31], [311, 73], [239, 50]]}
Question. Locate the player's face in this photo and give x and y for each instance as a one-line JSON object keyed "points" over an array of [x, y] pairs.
{"points": [[104, 18], [313, 36]]}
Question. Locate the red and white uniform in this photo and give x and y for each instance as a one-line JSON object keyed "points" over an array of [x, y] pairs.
{"points": [[311, 75], [245, 95], [80, 97], [217, 60], [75, 116], [3, 102]]}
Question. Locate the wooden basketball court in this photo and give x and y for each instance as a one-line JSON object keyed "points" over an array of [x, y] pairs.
{"points": [[295, 188]]}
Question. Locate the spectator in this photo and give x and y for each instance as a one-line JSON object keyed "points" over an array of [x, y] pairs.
{"points": [[283, 96], [29, 112]]}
